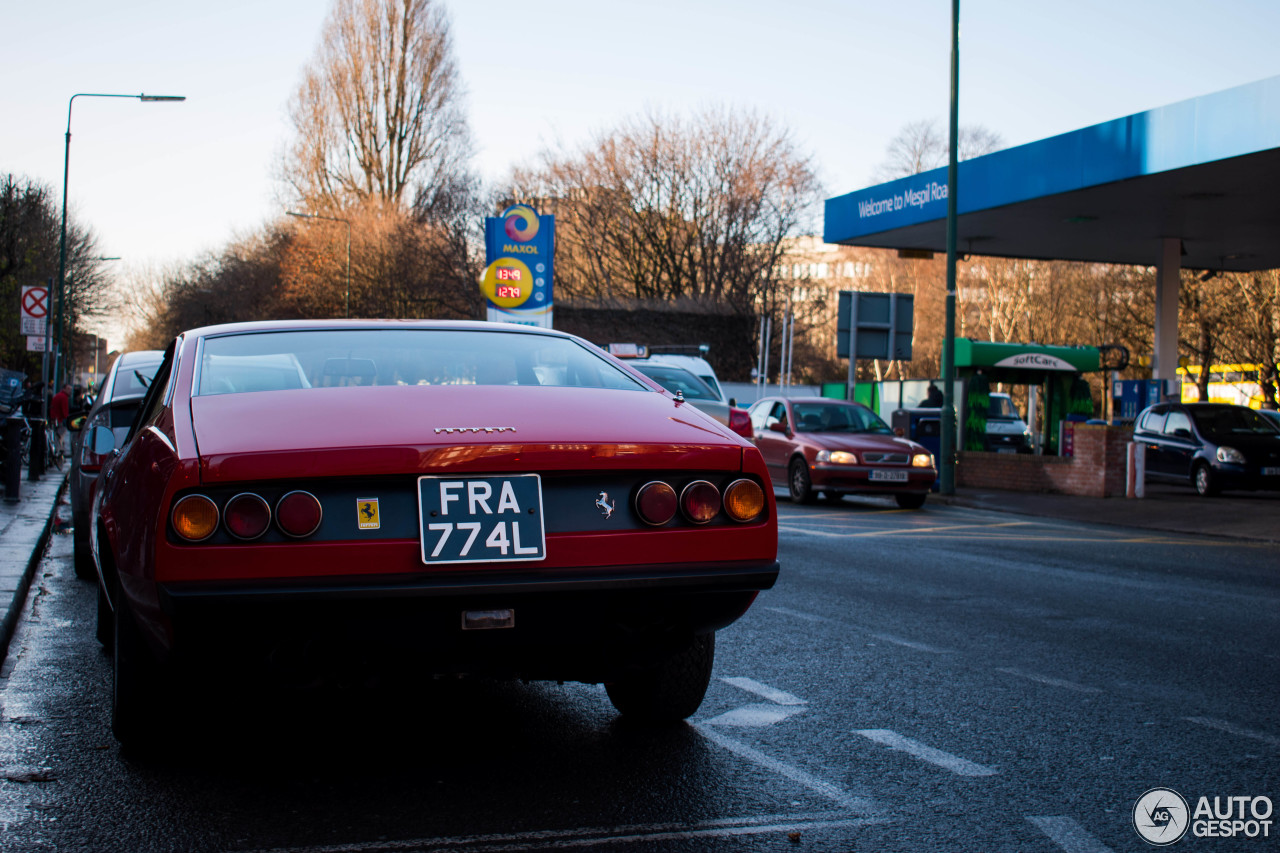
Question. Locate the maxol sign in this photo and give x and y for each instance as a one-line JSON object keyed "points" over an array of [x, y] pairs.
{"points": [[519, 253]]}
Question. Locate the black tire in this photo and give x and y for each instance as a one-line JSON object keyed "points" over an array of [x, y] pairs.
{"points": [[1204, 481], [908, 501], [83, 556], [135, 683], [106, 624], [798, 483], [670, 691]]}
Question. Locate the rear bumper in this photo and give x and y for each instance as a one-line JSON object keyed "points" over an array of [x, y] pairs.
{"points": [[579, 626]]}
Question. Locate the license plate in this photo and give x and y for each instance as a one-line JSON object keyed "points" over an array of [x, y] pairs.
{"points": [[1271, 472], [481, 519], [889, 476]]}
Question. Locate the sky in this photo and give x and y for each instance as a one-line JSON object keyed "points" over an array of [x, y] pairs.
{"points": [[163, 183]]}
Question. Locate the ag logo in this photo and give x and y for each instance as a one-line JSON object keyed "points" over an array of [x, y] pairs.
{"points": [[1160, 816]]}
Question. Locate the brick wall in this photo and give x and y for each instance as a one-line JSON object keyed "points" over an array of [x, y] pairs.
{"points": [[1096, 470]]}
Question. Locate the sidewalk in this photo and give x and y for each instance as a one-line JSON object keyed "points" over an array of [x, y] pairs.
{"points": [[1175, 509], [24, 531]]}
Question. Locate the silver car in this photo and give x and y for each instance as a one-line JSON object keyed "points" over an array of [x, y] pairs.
{"points": [[116, 404]]}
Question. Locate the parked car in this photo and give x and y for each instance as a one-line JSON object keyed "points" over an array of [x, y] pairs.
{"points": [[429, 498], [697, 393], [1211, 446], [117, 402], [814, 445]]}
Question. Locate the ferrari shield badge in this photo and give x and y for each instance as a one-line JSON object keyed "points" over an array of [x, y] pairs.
{"points": [[367, 514]]}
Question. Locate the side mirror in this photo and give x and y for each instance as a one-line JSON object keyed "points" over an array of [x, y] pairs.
{"points": [[102, 440], [778, 426], [1182, 433], [733, 402]]}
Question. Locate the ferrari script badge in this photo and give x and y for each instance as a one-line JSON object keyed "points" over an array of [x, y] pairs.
{"points": [[450, 430], [605, 505]]}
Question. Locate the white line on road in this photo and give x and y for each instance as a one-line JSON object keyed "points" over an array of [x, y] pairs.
{"points": [[1068, 834], [1044, 679], [753, 716], [1232, 729], [896, 531], [858, 805], [808, 617], [945, 760], [910, 644], [773, 694], [588, 836]]}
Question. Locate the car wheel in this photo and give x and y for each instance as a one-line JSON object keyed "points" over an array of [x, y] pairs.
{"points": [[669, 691], [1204, 481], [798, 482], [83, 555], [106, 623], [135, 683], [910, 501]]}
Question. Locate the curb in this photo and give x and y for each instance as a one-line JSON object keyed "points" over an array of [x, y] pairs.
{"points": [[13, 612]]}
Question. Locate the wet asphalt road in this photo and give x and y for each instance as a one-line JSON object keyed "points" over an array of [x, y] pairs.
{"points": [[945, 679]]}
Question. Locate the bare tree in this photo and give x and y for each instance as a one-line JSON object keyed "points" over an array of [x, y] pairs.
{"points": [[379, 113], [921, 146]]}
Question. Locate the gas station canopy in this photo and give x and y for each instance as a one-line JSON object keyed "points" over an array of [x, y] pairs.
{"points": [[1005, 362], [1205, 171]]}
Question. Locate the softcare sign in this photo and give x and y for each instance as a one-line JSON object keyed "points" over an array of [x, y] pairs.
{"points": [[519, 253]]}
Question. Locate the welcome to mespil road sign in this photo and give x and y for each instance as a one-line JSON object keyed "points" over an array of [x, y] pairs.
{"points": [[519, 251]]}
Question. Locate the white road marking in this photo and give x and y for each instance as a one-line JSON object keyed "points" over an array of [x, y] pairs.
{"points": [[910, 644], [1052, 682], [753, 716], [895, 531], [589, 836], [808, 617], [947, 761], [1232, 729], [1068, 834], [857, 805], [778, 697]]}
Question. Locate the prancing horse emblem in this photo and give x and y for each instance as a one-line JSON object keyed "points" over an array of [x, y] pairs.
{"points": [[605, 505]]}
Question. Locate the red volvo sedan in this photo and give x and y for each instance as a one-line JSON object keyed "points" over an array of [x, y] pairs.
{"points": [[298, 500], [813, 445]]}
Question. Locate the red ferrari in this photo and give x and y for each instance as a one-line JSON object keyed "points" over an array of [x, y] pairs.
{"points": [[813, 445], [302, 502]]}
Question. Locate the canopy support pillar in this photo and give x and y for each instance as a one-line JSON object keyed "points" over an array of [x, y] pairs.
{"points": [[1165, 364]]}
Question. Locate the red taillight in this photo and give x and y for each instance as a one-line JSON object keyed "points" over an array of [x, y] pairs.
{"points": [[298, 514], [656, 503], [246, 516], [740, 422], [700, 501]]}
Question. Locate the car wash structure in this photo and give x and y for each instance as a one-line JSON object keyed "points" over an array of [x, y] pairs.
{"points": [[1051, 374]]}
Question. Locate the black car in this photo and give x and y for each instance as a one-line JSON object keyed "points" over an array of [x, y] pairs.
{"points": [[116, 404], [1210, 445]]}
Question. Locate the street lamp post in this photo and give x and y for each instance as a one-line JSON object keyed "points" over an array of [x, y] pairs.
{"points": [[62, 242], [347, 222]]}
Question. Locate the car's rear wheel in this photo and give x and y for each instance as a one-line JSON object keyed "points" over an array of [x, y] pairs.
{"points": [[798, 482], [106, 626], [670, 690], [135, 682], [1204, 481], [908, 501], [83, 556]]}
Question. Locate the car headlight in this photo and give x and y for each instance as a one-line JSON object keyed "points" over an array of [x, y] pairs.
{"points": [[1230, 455], [837, 457], [922, 460]]}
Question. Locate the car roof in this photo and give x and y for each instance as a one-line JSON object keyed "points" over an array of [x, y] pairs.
{"points": [[313, 325]]}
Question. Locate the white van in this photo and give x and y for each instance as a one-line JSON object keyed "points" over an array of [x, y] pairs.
{"points": [[1007, 432], [696, 365]]}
